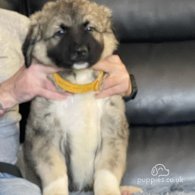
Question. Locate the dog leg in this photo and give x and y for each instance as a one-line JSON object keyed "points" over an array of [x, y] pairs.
{"points": [[51, 166], [110, 161], [110, 165]]}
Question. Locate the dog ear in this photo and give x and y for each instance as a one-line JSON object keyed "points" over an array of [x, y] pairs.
{"points": [[32, 38]]}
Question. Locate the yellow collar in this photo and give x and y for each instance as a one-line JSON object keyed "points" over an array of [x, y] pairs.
{"points": [[78, 88]]}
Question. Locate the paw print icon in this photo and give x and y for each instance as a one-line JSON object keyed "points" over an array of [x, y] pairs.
{"points": [[159, 170]]}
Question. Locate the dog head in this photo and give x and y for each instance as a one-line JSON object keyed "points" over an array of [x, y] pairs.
{"points": [[70, 34]]}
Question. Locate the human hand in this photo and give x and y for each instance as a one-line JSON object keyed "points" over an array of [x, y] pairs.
{"points": [[117, 80], [28, 83]]}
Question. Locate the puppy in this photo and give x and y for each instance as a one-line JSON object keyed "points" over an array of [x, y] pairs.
{"points": [[79, 143]]}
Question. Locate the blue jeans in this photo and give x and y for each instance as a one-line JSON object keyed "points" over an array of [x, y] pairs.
{"points": [[11, 185]]}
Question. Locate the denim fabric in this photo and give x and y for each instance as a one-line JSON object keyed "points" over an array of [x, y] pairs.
{"points": [[11, 185]]}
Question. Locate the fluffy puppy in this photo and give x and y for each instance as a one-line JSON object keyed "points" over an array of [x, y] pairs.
{"points": [[79, 143]]}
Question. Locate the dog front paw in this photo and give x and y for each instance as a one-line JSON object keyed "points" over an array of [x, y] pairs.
{"points": [[58, 187], [106, 183], [55, 191]]}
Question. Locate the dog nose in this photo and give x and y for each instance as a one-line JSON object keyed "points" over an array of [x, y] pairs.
{"points": [[80, 52]]}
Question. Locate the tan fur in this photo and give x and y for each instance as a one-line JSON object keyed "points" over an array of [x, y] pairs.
{"points": [[82, 137], [45, 23]]}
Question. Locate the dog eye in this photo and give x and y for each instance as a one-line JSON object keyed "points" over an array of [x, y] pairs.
{"points": [[88, 27], [63, 30]]}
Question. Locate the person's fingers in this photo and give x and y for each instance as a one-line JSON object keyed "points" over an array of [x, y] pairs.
{"points": [[114, 80], [109, 82], [53, 95], [49, 85], [108, 64], [103, 66]]}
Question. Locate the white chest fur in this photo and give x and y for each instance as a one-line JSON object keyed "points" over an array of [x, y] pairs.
{"points": [[79, 117]]}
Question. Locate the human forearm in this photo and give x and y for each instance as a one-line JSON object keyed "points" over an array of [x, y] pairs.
{"points": [[26, 84]]}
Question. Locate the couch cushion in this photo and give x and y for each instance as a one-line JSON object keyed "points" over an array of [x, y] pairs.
{"points": [[153, 20], [161, 159], [137, 20], [165, 75]]}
